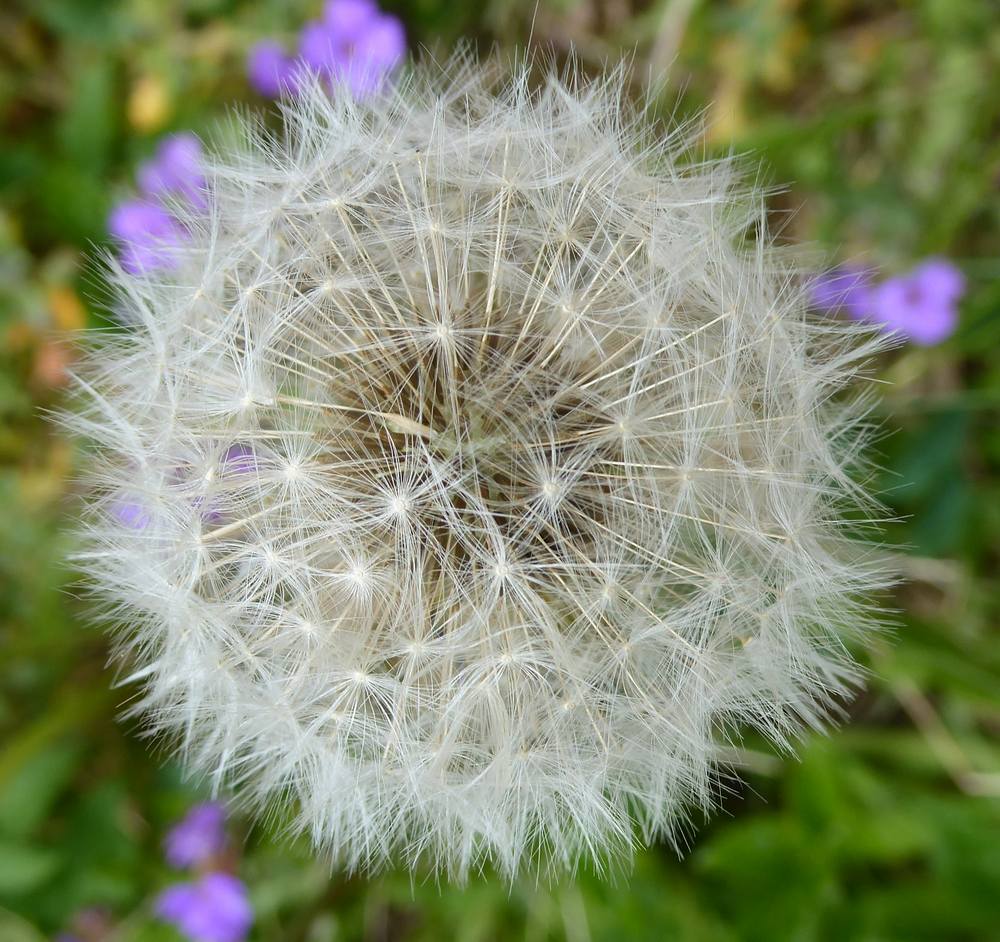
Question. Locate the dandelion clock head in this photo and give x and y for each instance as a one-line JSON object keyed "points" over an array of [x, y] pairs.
{"points": [[473, 473]]}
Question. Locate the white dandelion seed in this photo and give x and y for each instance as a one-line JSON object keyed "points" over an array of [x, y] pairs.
{"points": [[475, 475]]}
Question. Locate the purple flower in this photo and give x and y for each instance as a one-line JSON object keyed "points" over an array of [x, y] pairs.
{"points": [[133, 513], [847, 287], [211, 512], [149, 236], [175, 170], [213, 909], [350, 16], [198, 837], [271, 70], [355, 43], [240, 459], [920, 305], [91, 923]]}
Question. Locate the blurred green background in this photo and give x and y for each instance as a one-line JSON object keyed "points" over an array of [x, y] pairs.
{"points": [[884, 117]]}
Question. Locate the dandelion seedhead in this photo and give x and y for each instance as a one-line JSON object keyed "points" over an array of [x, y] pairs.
{"points": [[476, 473]]}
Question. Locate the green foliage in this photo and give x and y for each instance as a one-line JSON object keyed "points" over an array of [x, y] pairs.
{"points": [[883, 117]]}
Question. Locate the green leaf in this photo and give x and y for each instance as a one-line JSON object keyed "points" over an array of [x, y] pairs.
{"points": [[29, 792], [25, 867], [15, 929], [87, 129]]}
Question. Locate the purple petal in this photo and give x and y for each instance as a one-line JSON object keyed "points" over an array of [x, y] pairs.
{"points": [[354, 43], [239, 459], [174, 903], [893, 302], [132, 513], [375, 55], [149, 236], [198, 837], [211, 512], [936, 324], [846, 287], [940, 279], [215, 909], [271, 71], [903, 305], [349, 17], [322, 49], [135, 219], [231, 912], [176, 169]]}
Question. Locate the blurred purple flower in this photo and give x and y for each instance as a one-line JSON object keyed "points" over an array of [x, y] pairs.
{"points": [[847, 287], [199, 836], [350, 16], [175, 170], [213, 909], [354, 43], [922, 305], [211, 511], [88, 925], [133, 513], [149, 236], [240, 459], [271, 70]]}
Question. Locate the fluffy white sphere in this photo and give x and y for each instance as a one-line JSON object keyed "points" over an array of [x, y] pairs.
{"points": [[474, 476]]}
